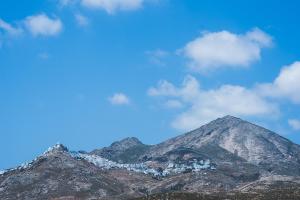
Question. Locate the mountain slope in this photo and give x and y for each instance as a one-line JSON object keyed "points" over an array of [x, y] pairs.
{"points": [[57, 174], [253, 143], [125, 151], [228, 155]]}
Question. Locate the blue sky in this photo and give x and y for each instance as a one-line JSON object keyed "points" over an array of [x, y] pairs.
{"points": [[88, 72]]}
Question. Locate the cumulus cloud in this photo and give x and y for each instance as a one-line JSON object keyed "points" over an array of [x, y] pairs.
{"points": [[42, 25], [164, 89], [112, 6], [213, 50], [81, 20], [206, 105], [119, 99], [295, 124], [286, 85]]}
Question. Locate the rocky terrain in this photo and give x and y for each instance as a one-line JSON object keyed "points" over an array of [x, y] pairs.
{"points": [[228, 158]]}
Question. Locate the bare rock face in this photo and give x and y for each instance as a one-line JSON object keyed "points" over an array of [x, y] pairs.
{"points": [[125, 151], [57, 174], [228, 155], [254, 144]]}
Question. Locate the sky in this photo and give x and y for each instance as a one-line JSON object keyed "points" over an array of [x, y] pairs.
{"points": [[86, 73]]}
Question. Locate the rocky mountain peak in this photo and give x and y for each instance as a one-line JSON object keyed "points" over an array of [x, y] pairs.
{"points": [[57, 148], [230, 118], [123, 151], [126, 143], [226, 121], [241, 138], [251, 142]]}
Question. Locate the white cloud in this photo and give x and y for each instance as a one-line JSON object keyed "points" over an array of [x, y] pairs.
{"points": [[164, 89], [43, 25], [119, 99], [286, 85], [81, 20], [206, 105], [8, 31], [8, 28], [112, 6], [295, 124], [213, 50]]}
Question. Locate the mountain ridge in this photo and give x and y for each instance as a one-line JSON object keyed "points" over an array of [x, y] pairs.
{"points": [[225, 155]]}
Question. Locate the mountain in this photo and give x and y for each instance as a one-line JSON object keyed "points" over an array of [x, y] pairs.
{"points": [[56, 174], [226, 157], [254, 144], [124, 151]]}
